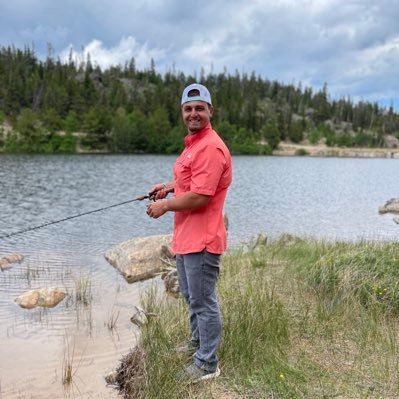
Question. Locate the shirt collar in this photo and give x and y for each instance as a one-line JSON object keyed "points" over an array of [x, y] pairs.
{"points": [[192, 138]]}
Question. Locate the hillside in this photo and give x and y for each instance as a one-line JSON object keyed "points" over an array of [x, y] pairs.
{"points": [[122, 109]]}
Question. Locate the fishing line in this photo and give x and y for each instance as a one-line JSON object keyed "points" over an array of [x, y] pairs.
{"points": [[75, 216]]}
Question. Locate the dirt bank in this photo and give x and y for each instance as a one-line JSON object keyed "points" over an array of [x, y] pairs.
{"points": [[289, 149]]}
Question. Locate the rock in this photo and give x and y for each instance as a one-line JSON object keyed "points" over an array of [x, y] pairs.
{"points": [[140, 316], [290, 240], [390, 206], [261, 241], [396, 220], [322, 141], [139, 258], [171, 282], [391, 141], [28, 300], [111, 378], [5, 261], [4, 264], [44, 297], [167, 252]]}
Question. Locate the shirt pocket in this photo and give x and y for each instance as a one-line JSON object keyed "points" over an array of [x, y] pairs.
{"points": [[183, 173]]}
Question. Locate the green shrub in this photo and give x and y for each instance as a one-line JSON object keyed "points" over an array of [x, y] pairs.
{"points": [[301, 152], [250, 148]]}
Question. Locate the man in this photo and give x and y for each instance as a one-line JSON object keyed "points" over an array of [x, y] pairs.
{"points": [[202, 175]]}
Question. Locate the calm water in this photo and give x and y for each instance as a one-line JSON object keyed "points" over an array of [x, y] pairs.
{"points": [[322, 197]]}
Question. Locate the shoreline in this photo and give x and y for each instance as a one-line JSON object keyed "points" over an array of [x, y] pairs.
{"points": [[329, 325], [290, 149], [283, 150]]}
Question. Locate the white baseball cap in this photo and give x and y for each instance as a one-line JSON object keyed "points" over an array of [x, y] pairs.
{"points": [[204, 94]]}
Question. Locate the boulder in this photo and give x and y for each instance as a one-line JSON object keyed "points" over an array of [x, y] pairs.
{"points": [[391, 141], [43, 297], [6, 261], [390, 206], [139, 258]]}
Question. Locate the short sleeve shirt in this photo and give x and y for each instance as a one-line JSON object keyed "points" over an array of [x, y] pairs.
{"points": [[204, 167]]}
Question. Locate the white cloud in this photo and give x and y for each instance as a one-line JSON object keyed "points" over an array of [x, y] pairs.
{"points": [[124, 51], [350, 44]]}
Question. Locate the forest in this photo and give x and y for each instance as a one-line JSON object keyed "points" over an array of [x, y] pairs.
{"points": [[51, 106]]}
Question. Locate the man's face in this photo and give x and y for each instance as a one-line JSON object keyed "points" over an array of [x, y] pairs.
{"points": [[196, 115]]}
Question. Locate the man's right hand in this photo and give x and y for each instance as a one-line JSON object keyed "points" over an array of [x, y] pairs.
{"points": [[159, 191]]}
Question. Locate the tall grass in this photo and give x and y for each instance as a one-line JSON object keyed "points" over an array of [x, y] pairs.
{"points": [[301, 319], [83, 294], [366, 273]]}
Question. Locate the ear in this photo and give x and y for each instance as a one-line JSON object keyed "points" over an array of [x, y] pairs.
{"points": [[211, 109]]}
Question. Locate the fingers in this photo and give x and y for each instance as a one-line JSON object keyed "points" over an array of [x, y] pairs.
{"points": [[156, 209], [158, 192], [152, 195], [161, 194], [151, 212], [156, 195]]}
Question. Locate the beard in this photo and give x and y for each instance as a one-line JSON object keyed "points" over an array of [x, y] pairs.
{"points": [[195, 126]]}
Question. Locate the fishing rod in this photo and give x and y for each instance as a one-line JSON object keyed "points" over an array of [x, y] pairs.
{"points": [[150, 195]]}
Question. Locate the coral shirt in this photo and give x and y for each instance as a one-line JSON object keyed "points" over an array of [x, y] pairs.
{"points": [[204, 167]]}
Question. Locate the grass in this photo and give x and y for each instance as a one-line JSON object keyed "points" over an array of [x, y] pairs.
{"points": [[70, 367], [83, 293], [68, 370], [112, 320], [301, 319]]}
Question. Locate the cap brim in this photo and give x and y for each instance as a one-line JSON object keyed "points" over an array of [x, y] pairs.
{"points": [[195, 98]]}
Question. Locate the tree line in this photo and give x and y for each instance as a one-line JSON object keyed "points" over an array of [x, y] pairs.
{"points": [[48, 105]]}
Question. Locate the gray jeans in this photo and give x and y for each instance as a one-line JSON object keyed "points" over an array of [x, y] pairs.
{"points": [[198, 273]]}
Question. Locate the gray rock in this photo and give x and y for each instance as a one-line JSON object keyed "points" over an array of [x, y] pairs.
{"points": [[139, 258], [171, 282], [390, 206], [396, 220], [140, 316], [391, 141], [261, 241]]}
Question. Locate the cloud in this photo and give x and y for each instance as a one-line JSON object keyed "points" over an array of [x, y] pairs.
{"points": [[350, 44], [43, 33], [371, 71], [123, 52]]}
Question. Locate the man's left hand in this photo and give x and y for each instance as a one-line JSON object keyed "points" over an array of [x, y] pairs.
{"points": [[157, 209]]}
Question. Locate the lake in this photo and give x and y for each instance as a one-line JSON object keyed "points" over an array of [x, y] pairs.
{"points": [[328, 198]]}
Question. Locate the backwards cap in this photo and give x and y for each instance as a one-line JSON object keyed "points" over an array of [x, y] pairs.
{"points": [[204, 94]]}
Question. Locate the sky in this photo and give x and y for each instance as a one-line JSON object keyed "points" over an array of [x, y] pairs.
{"points": [[351, 45]]}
